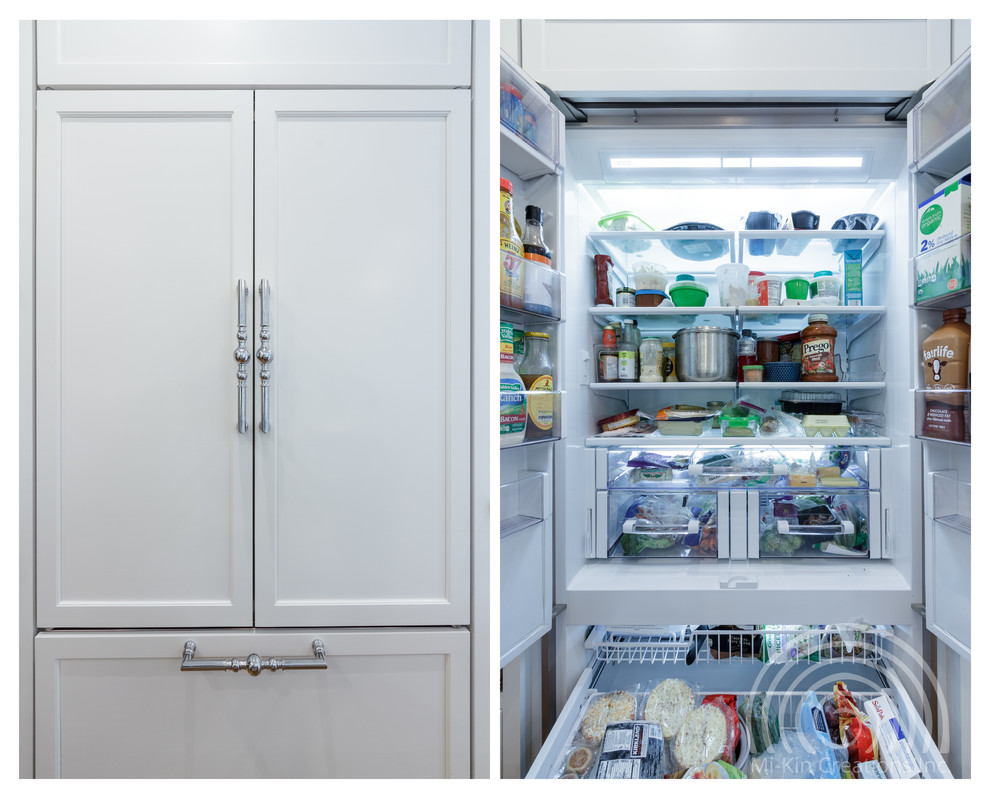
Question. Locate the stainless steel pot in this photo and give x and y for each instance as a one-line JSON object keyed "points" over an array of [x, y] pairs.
{"points": [[705, 354]]}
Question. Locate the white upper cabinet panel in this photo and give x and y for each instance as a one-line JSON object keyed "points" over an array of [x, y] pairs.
{"points": [[143, 481], [363, 480], [241, 53], [735, 59]]}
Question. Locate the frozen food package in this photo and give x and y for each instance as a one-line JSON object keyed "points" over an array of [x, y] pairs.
{"points": [[668, 703], [896, 755], [814, 732], [619, 705], [759, 717], [703, 737], [855, 731], [786, 643], [631, 750]]}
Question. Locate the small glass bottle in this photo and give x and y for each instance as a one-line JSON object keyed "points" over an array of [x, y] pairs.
{"points": [[536, 372], [628, 354], [746, 352], [538, 280]]}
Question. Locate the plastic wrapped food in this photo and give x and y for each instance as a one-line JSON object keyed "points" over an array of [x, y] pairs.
{"points": [[632, 750], [854, 727], [814, 731], [668, 704], [761, 722], [786, 643], [703, 737], [605, 709]]}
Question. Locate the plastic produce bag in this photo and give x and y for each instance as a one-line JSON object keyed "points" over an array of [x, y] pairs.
{"points": [[814, 731]]}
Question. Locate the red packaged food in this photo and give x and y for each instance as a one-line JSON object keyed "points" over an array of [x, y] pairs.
{"points": [[727, 704]]}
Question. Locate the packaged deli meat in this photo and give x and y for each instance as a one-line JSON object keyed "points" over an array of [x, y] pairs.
{"points": [[631, 750]]}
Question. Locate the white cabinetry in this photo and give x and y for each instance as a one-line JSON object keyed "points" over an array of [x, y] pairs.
{"points": [[735, 59], [254, 53], [333, 229], [116, 705], [144, 484]]}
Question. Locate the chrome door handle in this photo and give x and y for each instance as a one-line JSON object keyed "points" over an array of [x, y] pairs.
{"points": [[264, 354], [242, 355], [253, 663]]}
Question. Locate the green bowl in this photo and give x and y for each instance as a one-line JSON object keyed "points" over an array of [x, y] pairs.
{"points": [[796, 288], [684, 297]]}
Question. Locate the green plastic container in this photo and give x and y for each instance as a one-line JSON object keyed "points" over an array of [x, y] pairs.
{"points": [[796, 288], [688, 294]]}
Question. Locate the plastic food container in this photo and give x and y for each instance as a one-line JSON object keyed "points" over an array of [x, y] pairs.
{"points": [[686, 293], [628, 419], [649, 276], [683, 420], [732, 284], [752, 373], [796, 288], [854, 221], [698, 249], [810, 402], [825, 288], [626, 222], [800, 220], [529, 126], [511, 107], [625, 298], [762, 220], [827, 426], [752, 298], [780, 371], [649, 299], [768, 289], [738, 426]]}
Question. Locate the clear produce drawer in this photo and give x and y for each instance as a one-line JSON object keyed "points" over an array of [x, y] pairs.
{"points": [[738, 467], [813, 524], [662, 523]]}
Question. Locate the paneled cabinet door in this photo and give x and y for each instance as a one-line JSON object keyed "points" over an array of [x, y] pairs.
{"points": [[362, 232], [390, 703], [144, 481]]}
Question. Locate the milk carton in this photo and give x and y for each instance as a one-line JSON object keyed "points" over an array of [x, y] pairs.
{"points": [[942, 271], [944, 216], [896, 756]]}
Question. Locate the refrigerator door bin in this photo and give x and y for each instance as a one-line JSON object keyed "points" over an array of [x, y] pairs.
{"points": [[635, 659], [813, 524], [948, 577], [662, 523]]}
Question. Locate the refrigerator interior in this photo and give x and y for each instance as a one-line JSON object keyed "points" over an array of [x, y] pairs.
{"points": [[736, 590]]}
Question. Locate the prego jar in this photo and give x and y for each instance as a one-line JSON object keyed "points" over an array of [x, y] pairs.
{"points": [[818, 350]]}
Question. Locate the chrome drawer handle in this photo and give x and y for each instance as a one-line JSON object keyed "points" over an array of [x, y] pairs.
{"points": [[242, 355], [253, 663], [264, 354]]}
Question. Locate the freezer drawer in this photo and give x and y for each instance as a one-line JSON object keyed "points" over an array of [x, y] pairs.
{"points": [[813, 524], [634, 659], [390, 703], [662, 523]]}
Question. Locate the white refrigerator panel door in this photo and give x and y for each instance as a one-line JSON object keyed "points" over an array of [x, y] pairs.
{"points": [[144, 483], [391, 703], [362, 481]]}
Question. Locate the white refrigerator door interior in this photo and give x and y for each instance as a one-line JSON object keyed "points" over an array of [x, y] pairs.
{"points": [[117, 705], [362, 493], [143, 482]]}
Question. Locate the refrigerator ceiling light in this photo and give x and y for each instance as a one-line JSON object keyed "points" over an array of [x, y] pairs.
{"points": [[852, 162], [808, 162], [666, 163]]}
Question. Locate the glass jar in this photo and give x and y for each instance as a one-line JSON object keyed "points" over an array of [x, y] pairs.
{"points": [[818, 350], [746, 353], [767, 350], [651, 360], [536, 372]]}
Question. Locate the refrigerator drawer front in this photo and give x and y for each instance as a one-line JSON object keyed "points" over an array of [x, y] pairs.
{"points": [[814, 525], [635, 660], [118, 705], [672, 524]]}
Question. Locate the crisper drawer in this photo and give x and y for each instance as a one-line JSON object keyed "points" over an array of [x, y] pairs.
{"points": [[814, 524], [526, 563], [389, 703], [783, 665], [659, 522]]}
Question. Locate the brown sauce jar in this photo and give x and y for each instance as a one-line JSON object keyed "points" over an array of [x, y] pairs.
{"points": [[818, 350]]}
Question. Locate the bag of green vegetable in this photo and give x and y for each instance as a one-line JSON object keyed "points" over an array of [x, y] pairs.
{"points": [[786, 643], [761, 722]]}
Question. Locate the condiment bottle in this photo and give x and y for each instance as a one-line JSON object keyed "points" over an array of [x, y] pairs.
{"points": [[669, 361], [511, 251], [538, 280], [945, 356], [767, 350], [746, 353], [602, 262], [651, 360], [536, 372], [628, 355], [818, 350], [512, 402]]}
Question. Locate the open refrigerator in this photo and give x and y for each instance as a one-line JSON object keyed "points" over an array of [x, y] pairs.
{"points": [[679, 556]]}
